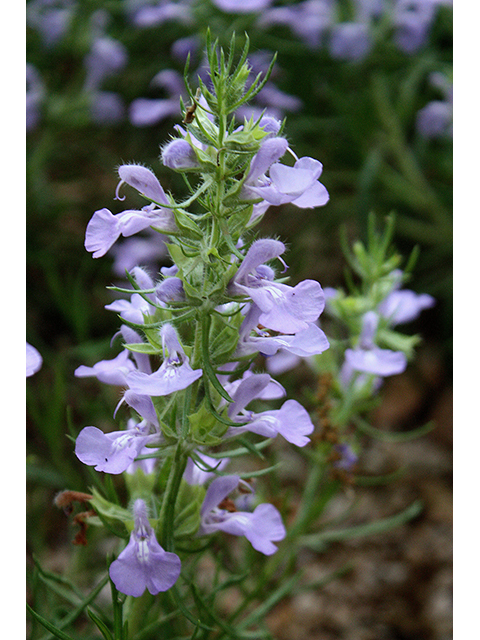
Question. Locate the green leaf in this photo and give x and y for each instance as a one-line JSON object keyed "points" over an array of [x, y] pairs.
{"points": [[58, 633], [143, 347], [317, 541], [112, 516], [187, 509], [187, 225], [101, 625], [205, 429], [388, 436]]}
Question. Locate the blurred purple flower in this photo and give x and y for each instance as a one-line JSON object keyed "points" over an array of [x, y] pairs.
{"points": [[347, 457], [51, 18], [242, 6], [368, 358], [404, 305], [157, 13], [145, 112], [350, 41], [309, 20], [35, 95], [106, 108], [105, 58], [146, 250], [34, 360], [143, 564]]}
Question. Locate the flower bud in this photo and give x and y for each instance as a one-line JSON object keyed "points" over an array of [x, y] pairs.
{"points": [[179, 156], [143, 180]]}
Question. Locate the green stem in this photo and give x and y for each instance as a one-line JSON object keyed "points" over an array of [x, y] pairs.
{"points": [[167, 512]]}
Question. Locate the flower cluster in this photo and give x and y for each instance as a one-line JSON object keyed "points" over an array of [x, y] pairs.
{"points": [[203, 320]]}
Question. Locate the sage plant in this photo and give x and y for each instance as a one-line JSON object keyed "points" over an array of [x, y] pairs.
{"points": [[191, 397]]}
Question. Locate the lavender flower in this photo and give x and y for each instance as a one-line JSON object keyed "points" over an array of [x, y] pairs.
{"points": [[115, 452], [105, 228], [146, 250], [309, 20], [403, 305], [34, 96], [283, 308], [179, 156], [291, 420], [297, 185], [368, 358], [145, 112], [304, 343], [34, 360], [242, 6], [106, 57], [112, 371], [143, 564], [174, 374], [111, 452], [262, 528], [346, 459], [350, 41]]}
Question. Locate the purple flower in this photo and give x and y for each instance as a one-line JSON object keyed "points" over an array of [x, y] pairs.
{"points": [[368, 358], [170, 290], [435, 120], [34, 360], [106, 107], [143, 564], [298, 184], [283, 308], [242, 6], [262, 528], [115, 452], [109, 371], [413, 20], [143, 180], [347, 457], [174, 374], [147, 250], [163, 11], [291, 420], [112, 452], [350, 41], [51, 19], [105, 228], [179, 156], [135, 309], [34, 96], [306, 342], [309, 20], [145, 112], [404, 305], [106, 57]]}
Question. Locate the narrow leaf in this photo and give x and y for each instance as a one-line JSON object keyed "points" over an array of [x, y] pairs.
{"points": [[58, 633]]}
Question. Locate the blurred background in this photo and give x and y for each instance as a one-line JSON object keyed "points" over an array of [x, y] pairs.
{"points": [[366, 87]]}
